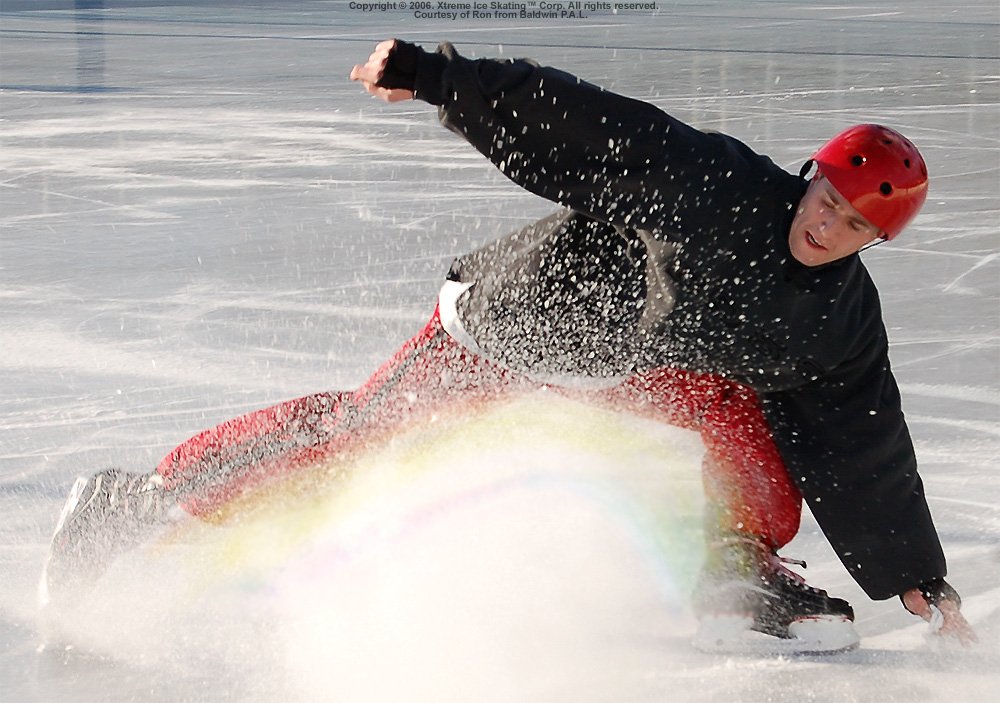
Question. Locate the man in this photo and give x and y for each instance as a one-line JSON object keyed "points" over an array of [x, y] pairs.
{"points": [[688, 279]]}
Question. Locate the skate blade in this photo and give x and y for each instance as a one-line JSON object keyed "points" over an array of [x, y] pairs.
{"points": [[44, 594], [824, 634]]}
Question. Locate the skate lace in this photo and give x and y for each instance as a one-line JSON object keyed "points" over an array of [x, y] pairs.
{"points": [[777, 563], [774, 562], [136, 495]]}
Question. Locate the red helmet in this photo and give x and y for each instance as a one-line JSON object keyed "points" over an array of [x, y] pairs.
{"points": [[880, 173]]}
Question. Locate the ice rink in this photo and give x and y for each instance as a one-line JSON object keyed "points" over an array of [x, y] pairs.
{"points": [[200, 215]]}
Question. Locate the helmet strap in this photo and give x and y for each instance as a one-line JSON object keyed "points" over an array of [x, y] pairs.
{"points": [[806, 168], [873, 243]]}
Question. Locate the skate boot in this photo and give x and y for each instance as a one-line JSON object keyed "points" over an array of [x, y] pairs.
{"points": [[745, 588], [105, 515]]}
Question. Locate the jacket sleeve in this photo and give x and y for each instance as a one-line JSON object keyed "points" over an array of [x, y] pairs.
{"points": [[620, 160], [845, 442]]}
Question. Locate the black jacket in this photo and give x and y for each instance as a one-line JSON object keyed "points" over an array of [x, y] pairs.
{"points": [[673, 251]]}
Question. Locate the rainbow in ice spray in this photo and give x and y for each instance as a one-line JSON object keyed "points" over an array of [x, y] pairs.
{"points": [[478, 539]]}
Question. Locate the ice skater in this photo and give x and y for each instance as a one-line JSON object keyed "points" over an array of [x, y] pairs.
{"points": [[686, 278]]}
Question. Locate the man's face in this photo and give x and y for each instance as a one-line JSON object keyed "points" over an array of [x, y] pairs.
{"points": [[826, 226]]}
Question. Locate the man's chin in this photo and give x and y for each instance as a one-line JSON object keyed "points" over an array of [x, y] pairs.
{"points": [[810, 259]]}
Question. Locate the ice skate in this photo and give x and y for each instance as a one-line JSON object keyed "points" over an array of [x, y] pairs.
{"points": [[105, 515], [748, 601]]}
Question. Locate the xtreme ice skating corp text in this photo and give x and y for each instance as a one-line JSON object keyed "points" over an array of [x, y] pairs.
{"points": [[503, 9]]}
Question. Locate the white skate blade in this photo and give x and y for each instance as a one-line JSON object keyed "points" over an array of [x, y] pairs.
{"points": [[822, 634], [68, 507]]}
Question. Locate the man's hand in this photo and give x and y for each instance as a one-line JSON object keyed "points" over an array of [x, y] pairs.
{"points": [[953, 624], [371, 73]]}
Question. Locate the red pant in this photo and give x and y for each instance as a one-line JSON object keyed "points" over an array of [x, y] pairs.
{"points": [[746, 484]]}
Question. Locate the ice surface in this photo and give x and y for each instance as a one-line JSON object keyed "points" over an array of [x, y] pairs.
{"points": [[200, 215]]}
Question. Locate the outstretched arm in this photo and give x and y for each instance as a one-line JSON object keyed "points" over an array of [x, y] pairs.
{"points": [[620, 160], [845, 442]]}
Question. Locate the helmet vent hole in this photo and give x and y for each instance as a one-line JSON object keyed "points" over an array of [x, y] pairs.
{"points": [[886, 188], [906, 162], [887, 142], [857, 160]]}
